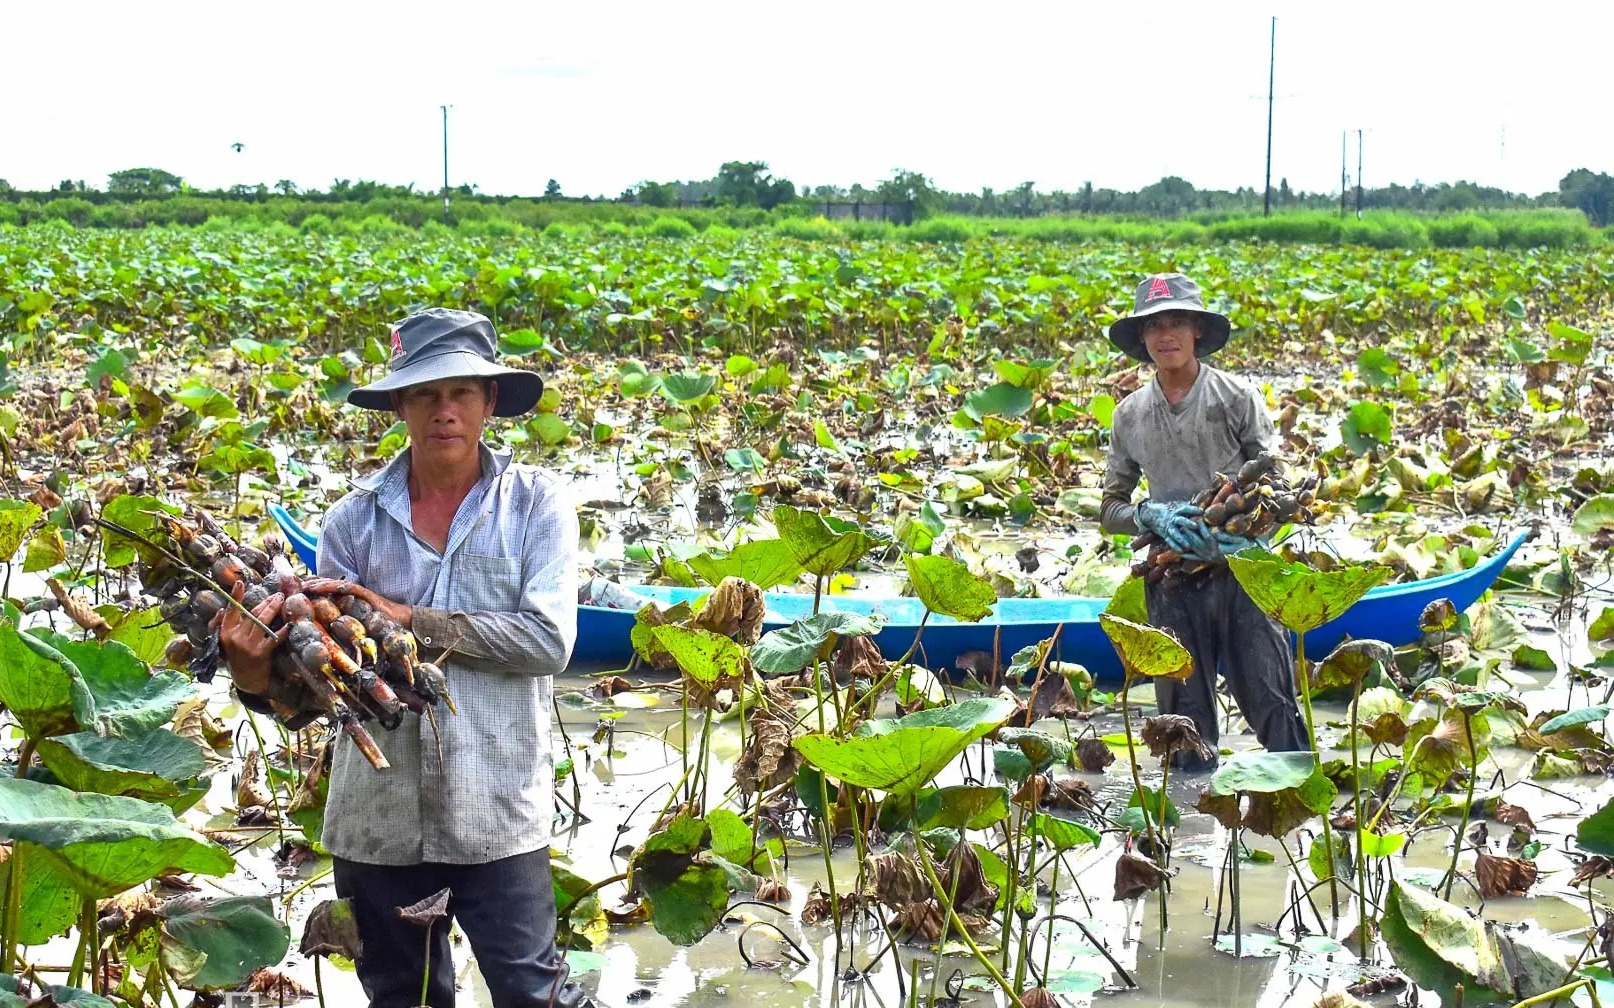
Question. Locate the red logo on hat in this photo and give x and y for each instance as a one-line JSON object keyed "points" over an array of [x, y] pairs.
{"points": [[1158, 288], [397, 344]]}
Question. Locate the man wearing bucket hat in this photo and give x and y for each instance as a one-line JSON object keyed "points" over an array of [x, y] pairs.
{"points": [[476, 556], [1192, 422]]}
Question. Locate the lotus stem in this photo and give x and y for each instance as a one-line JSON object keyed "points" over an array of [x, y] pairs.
{"points": [[1552, 996], [1356, 799], [1303, 671], [952, 915], [1468, 805]]}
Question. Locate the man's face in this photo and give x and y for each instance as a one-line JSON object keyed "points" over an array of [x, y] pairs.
{"points": [[1170, 337], [445, 418]]}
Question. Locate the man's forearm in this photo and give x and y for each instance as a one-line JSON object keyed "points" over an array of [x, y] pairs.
{"points": [[1118, 517], [524, 642]]}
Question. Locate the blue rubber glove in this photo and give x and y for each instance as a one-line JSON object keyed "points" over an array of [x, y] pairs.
{"points": [[1228, 543], [1178, 525]]}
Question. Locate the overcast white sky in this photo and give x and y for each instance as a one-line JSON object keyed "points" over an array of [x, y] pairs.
{"points": [[600, 95]]}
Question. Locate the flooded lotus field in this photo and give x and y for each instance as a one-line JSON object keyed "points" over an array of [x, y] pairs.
{"points": [[790, 816]]}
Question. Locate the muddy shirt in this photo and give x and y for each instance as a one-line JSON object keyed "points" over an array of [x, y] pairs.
{"points": [[504, 595], [1179, 447]]}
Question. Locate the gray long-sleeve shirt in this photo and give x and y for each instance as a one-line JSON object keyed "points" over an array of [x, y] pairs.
{"points": [[504, 595], [1179, 447]]}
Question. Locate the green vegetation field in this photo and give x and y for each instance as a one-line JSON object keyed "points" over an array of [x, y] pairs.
{"points": [[931, 409]]}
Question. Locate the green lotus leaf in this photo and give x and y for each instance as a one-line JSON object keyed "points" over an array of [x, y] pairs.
{"points": [[133, 513], [947, 587], [766, 563], [822, 546], [1299, 597], [131, 698], [902, 755], [1439, 945], [41, 687], [790, 649], [963, 806], [16, 518], [155, 766], [91, 845], [239, 935], [705, 657], [1064, 834], [1147, 650]]}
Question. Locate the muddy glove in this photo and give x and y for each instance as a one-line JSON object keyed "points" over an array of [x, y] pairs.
{"points": [[1178, 525], [1221, 546]]}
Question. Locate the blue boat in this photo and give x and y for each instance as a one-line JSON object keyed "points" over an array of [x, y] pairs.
{"points": [[1388, 613]]}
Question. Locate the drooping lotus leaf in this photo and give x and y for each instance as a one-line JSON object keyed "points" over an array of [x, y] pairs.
{"points": [[1595, 834], [582, 914], [16, 518], [705, 657], [688, 890], [1263, 772], [1147, 650], [1438, 749], [949, 588], [733, 840], [1581, 715], [155, 766], [142, 631], [1040, 747], [131, 698], [239, 935], [789, 649], [1283, 790], [1064, 834], [963, 806], [902, 755], [1128, 601], [41, 687], [767, 563], [1439, 945], [133, 512], [821, 545], [1298, 596], [1352, 662], [69, 997], [76, 845]]}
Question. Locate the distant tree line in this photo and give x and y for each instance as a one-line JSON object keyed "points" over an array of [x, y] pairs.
{"points": [[750, 184]]}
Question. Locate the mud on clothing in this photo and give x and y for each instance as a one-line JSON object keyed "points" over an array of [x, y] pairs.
{"points": [[1179, 448]]}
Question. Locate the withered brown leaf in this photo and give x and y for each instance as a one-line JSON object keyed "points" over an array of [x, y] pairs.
{"points": [[1596, 866], [331, 930], [429, 910], [771, 890], [734, 610], [278, 987], [1136, 875], [1503, 876], [1038, 997], [895, 880], [1512, 815], [1032, 792], [1166, 734], [1093, 754], [1387, 729], [769, 759], [1070, 794]]}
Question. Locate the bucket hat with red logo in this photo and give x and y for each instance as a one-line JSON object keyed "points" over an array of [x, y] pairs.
{"points": [[437, 343], [1169, 292]]}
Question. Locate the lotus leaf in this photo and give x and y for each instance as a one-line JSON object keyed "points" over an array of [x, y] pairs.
{"points": [[902, 755], [131, 698], [706, 657], [1299, 597], [766, 563], [963, 806], [947, 587], [41, 687], [1147, 650], [238, 934], [91, 845], [789, 649], [16, 518], [821, 545], [1439, 945], [155, 766]]}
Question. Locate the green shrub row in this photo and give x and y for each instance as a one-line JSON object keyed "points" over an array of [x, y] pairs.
{"points": [[1385, 229]]}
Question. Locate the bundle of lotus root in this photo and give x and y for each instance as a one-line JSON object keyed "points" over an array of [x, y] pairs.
{"points": [[1251, 504], [339, 656]]}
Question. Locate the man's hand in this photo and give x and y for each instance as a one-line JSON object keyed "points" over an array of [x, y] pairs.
{"points": [[395, 611], [245, 645], [1178, 525]]}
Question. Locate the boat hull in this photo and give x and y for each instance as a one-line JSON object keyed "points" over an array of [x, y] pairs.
{"points": [[1389, 613]]}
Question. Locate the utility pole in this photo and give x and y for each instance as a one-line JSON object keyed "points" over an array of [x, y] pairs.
{"points": [[1358, 174], [445, 109], [1272, 62], [1344, 174]]}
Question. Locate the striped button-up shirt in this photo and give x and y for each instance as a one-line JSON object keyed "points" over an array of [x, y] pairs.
{"points": [[502, 597]]}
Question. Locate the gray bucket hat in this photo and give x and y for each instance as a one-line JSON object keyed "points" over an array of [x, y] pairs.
{"points": [[437, 343], [1169, 292]]}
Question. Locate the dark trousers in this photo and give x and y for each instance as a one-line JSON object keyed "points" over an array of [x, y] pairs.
{"points": [[1225, 632], [506, 908]]}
